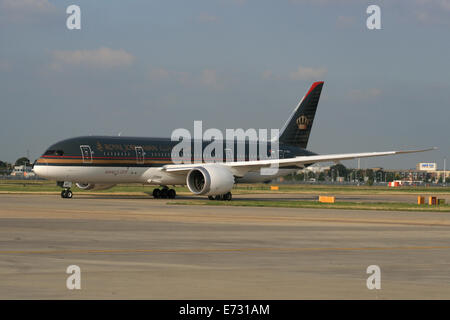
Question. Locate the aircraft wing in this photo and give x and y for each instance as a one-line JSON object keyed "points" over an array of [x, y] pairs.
{"points": [[240, 168]]}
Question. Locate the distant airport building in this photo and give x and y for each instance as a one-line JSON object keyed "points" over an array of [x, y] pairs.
{"points": [[317, 168], [424, 170], [22, 171], [396, 183], [426, 166]]}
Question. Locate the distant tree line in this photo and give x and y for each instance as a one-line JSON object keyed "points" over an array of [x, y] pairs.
{"points": [[339, 172], [6, 167]]}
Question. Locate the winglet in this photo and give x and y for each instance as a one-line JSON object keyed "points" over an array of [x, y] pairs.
{"points": [[414, 151]]}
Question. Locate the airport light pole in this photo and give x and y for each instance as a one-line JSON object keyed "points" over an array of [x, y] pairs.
{"points": [[359, 167], [445, 172]]}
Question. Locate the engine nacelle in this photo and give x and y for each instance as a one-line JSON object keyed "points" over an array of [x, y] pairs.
{"points": [[210, 180], [91, 186]]}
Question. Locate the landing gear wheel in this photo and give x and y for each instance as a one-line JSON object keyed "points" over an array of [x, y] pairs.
{"points": [[156, 193], [66, 194], [171, 194], [226, 196], [164, 193]]}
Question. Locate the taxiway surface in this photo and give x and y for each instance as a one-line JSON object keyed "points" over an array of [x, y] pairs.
{"points": [[141, 248]]}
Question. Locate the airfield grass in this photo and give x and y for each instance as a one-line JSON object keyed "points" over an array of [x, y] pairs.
{"points": [[339, 189], [386, 206], [45, 186], [50, 187]]}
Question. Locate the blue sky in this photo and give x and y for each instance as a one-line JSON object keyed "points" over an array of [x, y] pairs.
{"points": [[144, 68]]}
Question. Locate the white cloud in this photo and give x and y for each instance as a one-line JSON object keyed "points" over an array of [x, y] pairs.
{"points": [[302, 73], [206, 78], [27, 11], [431, 11], [267, 75], [324, 2], [424, 17], [39, 6], [159, 74], [364, 94], [445, 4], [207, 18], [5, 65], [344, 21], [209, 78], [439, 4], [270, 75], [162, 74], [99, 58], [423, 11], [308, 73], [436, 4]]}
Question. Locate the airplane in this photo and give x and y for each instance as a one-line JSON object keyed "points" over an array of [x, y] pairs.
{"points": [[100, 162]]}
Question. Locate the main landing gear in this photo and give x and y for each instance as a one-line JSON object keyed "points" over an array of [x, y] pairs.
{"points": [[226, 196], [164, 193], [66, 194]]}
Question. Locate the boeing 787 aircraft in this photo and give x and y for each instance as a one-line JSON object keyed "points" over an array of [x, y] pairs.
{"points": [[100, 162]]}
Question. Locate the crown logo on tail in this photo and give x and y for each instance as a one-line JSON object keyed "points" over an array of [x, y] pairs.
{"points": [[302, 122]]}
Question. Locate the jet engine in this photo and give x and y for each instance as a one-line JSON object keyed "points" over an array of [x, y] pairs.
{"points": [[91, 186], [214, 179]]}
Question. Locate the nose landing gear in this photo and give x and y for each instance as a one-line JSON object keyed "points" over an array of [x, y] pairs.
{"points": [[66, 194]]}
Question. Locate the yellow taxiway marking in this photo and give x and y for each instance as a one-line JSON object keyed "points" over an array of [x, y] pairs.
{"points": [[218, 250]]}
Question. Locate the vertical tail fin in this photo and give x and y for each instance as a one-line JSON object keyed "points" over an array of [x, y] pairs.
{"points": [[296, 130]]}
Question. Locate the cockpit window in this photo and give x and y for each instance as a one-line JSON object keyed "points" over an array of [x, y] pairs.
{"points": [[53, 153]]}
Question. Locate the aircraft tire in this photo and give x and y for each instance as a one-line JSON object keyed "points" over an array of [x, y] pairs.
{"points": [[171, 193], [156, 193], [164, 193]]}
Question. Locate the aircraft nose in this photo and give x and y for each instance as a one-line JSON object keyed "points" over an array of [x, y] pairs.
{"points": [[40, 170]]}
